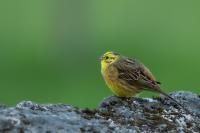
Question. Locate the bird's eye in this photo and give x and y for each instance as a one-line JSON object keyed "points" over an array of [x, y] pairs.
{"points": [[106, 57]]}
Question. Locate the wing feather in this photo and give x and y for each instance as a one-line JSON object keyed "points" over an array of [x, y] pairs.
{"points": [[135, 73]]}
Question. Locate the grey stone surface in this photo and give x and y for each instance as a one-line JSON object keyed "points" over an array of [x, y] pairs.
{"points": [[118, 115]]}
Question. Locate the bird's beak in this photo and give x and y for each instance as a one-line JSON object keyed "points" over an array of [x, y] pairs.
{"points": [[101, 57]]}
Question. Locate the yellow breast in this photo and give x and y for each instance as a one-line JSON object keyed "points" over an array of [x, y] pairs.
{"points": [[117, 86]]}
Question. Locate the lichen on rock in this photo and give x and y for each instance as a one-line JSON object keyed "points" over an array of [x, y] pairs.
{"points": [[119, 115]]}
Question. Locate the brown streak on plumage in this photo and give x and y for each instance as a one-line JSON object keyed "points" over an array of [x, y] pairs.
{"points": [[127, 77], [136, 74]]}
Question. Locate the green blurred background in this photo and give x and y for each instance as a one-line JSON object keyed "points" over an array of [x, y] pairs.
{"points": [[49, 49]]}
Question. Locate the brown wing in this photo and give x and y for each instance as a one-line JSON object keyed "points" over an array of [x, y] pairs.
{"points": [[135, 73]]}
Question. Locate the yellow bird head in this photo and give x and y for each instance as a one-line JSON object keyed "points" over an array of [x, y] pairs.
{"points": [[108, 58]]}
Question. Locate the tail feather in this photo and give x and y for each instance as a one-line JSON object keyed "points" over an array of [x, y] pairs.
{"points": [[170, 98]]}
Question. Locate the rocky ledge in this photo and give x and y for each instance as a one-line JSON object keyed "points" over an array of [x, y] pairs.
{"points": [[119, 115]]}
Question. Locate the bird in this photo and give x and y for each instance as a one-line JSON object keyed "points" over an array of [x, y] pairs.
{"points": [[127, 77]]}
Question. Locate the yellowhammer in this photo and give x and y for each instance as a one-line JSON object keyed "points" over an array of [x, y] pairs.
{"points": [[127, 77]]}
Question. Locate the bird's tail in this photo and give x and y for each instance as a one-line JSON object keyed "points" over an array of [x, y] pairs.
{"points": [[156, 88], [170, 98]]}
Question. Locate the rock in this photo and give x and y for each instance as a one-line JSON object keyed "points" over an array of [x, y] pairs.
{"points": [[119, 115]]}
